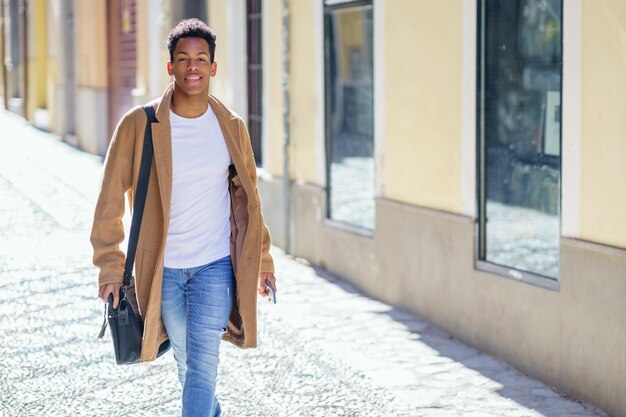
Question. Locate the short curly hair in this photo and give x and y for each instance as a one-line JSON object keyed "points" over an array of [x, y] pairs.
{"points": [[191, 28]]}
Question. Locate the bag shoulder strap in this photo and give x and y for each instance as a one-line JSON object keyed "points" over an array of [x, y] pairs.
{"points": [[140, 202], [140, 194]]}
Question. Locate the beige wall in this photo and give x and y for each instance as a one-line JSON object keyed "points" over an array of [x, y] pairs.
{"points": [[218, 20], [570, 338], [603, 124], [143, 52], [303, 93], [423, 70], [37, 57], [91, 45], [227, 18], [166, 25], [52, 75], [91, 75], [154, 23]]}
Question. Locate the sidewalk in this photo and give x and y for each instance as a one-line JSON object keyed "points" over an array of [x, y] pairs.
{"points": [[325, 349]]}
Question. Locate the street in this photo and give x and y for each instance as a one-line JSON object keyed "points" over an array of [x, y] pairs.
{"points": [[326, 348]]}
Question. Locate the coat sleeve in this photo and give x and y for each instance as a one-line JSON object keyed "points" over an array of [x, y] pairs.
{"points": [[267, 262], [108, 230]]}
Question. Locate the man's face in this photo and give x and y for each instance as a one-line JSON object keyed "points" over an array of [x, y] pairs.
{"points": [[192, 67]]}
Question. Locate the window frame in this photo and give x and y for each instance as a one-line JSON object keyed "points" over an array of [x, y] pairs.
{"points": [[480, 261], [331, 6], [340, 4]]}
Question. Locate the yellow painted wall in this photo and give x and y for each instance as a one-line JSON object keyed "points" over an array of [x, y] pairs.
{"points": [[303, 95], [219, 22], [423, 57], [52, 75], [91, 45], [166, 26], [274, 69], [152, 77], [165, 79], [603, 122], [52, 80], [142, 39], [37, 57]]}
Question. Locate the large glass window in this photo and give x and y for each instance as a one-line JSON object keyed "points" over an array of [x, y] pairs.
{"points": [[255, 76], [520, 133], [348, 59]]}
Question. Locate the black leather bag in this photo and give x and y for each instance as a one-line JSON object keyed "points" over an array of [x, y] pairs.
{"points": [[125, 322], [126, 329]]}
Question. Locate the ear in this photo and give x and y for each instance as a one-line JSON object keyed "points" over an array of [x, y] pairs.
{"points": [[170, 72], [213, 69]]}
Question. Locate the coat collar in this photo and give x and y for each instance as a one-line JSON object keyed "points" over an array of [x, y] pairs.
{"points": [[162, 140]]}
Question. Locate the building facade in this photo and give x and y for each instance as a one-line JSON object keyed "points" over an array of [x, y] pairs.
{"points": [[463, 159]]}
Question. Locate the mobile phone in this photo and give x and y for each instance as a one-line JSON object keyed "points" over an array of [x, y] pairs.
{"points": [[272, 290]]}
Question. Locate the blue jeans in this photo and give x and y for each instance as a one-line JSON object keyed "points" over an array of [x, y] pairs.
{"points": [[195, 307]]}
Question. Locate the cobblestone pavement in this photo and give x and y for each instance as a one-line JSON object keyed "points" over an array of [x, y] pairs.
{"points": [[325, 349]]}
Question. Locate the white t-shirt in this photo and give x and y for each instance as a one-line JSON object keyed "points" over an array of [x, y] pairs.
{"points": [[199, 230]]}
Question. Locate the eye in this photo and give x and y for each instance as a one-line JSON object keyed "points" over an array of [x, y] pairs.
{"points": [[182, 59]]}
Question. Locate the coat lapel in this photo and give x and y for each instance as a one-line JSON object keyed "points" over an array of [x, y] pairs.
{"points": [[230, 130]]}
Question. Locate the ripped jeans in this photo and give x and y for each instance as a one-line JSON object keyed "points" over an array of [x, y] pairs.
{"points": [[195, 307]]}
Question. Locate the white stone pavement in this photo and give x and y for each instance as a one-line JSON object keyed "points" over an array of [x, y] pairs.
{"points": [[326, 349]]}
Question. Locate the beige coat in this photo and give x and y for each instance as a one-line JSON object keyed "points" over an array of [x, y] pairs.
{"points": [[250, 240]]}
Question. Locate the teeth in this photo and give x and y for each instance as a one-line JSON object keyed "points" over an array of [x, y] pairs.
{"points": [[193, 78]]}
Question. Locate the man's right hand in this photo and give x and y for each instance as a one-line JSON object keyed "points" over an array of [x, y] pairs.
{"points": [[106, 289]]}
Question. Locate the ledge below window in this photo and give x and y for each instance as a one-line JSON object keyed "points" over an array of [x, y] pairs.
{"points": [[517, 275]]}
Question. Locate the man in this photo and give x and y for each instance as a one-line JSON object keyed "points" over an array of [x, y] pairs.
{"points": [[203, 249]]}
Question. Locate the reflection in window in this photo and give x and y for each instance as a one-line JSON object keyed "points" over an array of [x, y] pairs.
{"points": [[520, 133], [348, 40]]}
